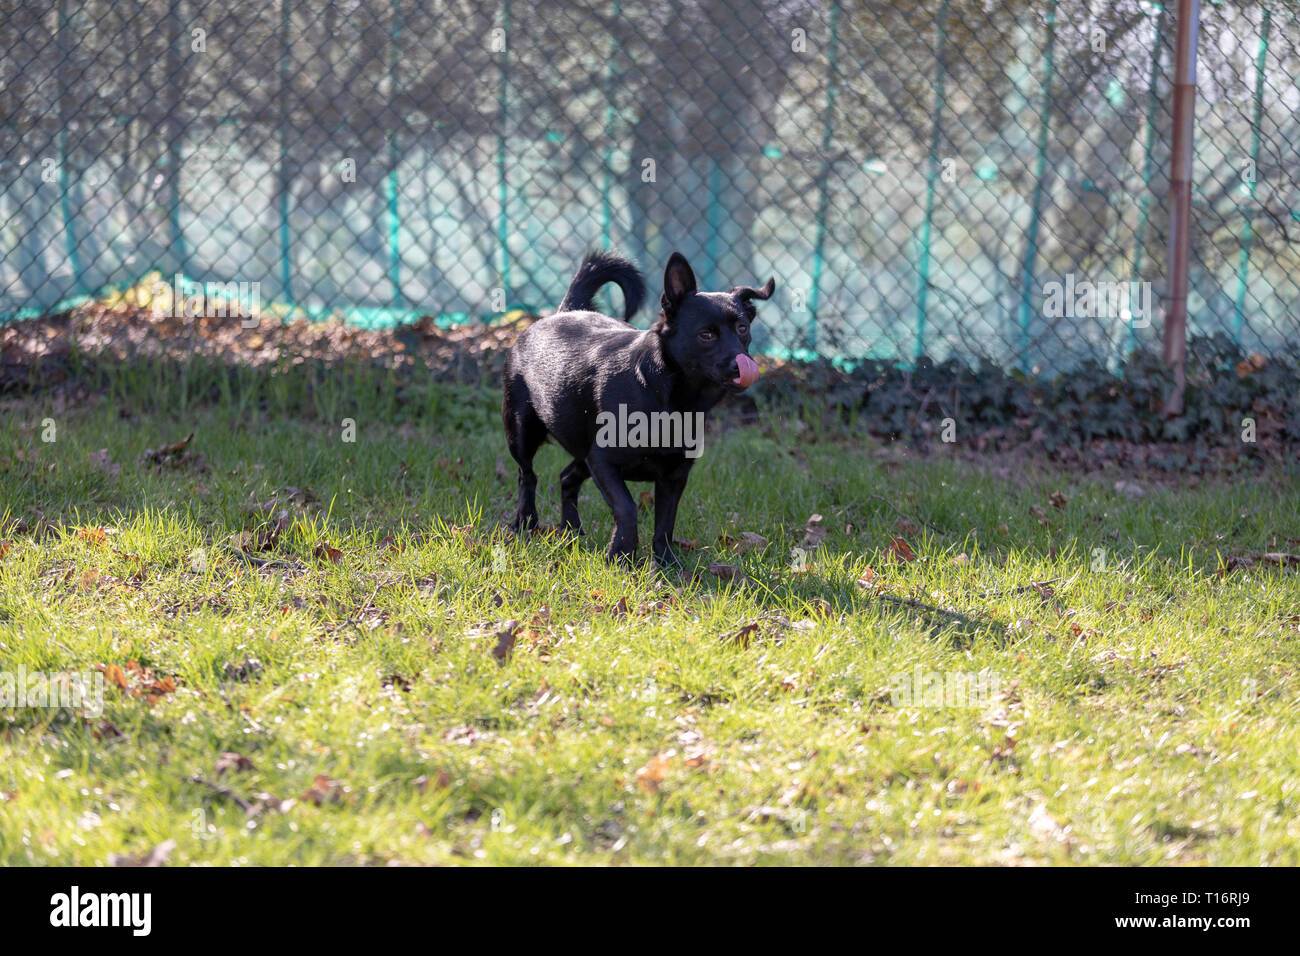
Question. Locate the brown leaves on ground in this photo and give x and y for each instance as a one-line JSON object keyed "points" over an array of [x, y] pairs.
{"points": [[231, 761], [505, 640], [1046, 593], [651, 777], [266, 537], [95, 536], [325, 789], [813, 533], [696, 755], [242, 670], [901, 551], [726, 572], [130, 329], [771, 626], [137, 680], [1239, 562], [324, 551], [743, 635], [286, 498], [175, 455], [748, 541]]}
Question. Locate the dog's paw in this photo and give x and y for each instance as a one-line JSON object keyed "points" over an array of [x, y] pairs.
{"points": [[621, 556], [521, 524], [669, 560]]}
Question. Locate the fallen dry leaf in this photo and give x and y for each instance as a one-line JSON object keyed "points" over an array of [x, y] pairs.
{"points": [[231, 761], [505, 640], [650, 777], [813, 533], [743, 635], [326, 552], [901, 550], [95, 536], [323, 790], [725, 571]]}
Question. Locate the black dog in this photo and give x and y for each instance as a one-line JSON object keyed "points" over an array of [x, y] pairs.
{"points": [[583, 378]]}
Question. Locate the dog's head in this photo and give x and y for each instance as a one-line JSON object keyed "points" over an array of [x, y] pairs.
{"points": [[707, 334]]}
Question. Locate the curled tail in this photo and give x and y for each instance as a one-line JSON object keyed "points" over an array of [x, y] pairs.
{"points": [[597, 269]]}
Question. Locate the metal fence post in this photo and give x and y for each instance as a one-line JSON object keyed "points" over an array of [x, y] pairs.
{"points": [[1180, 195]]}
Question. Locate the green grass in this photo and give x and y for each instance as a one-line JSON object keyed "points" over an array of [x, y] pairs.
{"points": [[1144, 711]]}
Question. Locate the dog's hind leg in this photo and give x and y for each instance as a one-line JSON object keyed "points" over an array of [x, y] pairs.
{"points": [[571, 479], [524, 436]]}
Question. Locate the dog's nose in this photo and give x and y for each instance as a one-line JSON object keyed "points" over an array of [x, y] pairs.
{"points": [[733, 370]]}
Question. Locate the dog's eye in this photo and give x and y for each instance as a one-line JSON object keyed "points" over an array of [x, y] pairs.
{"points": [[742, 328], [708, 335]]}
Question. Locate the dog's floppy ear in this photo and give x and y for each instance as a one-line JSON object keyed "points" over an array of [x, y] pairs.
{"points": [[679, 282], [745, 292]]}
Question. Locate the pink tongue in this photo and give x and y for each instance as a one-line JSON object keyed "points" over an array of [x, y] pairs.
{"points": [[748, 371]]}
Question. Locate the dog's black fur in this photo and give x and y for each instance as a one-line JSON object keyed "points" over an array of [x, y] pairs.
{"points": [[568, 368]]}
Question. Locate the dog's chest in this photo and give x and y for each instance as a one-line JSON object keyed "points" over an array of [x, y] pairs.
{"points": [[652, 466]]}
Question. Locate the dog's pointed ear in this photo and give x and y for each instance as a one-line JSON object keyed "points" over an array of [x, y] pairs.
{"points": [[679, 282], [746, 292]]}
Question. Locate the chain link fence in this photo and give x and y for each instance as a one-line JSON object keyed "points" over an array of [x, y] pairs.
{"points": [[986, 180]]}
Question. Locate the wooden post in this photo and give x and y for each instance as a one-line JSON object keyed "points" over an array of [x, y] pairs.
{"points": [[1180, 196]]}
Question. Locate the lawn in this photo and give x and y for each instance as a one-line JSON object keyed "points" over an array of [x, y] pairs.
{"points": [[316, 650]]}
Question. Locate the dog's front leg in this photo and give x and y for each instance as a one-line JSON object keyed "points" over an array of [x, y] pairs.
{"points": [[668, 492], [622, 546]]}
